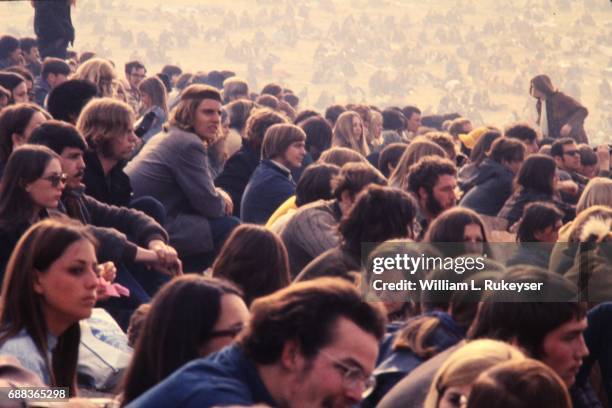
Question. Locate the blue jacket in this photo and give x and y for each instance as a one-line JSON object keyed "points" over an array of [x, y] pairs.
{"points": [[224, 378], [268, 188], [394, 365], [492, 186]]}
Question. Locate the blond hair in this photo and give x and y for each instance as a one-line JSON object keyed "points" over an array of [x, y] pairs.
{"points": [[183, 116], [466, 364], [155, 88], [597, 192], [417, 149], [102, 120], [101, 73], [343, 133]]}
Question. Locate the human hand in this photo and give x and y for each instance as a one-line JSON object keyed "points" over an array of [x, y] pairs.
{"points": [[565, 130], [229, 205], [168, 261], [568, 186], [603, 157]]}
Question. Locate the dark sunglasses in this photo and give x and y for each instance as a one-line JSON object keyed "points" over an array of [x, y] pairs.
{"points": [[571, 152], [56, 179]]}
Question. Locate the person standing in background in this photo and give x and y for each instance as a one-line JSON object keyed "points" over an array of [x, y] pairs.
{"points": [[53, 27]]}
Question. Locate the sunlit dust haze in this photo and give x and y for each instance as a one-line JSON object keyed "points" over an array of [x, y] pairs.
{"points": [[473, 57]]}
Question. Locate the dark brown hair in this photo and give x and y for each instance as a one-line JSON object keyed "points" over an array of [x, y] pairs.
{"points": [[306, 312], [258, 123], [22, 308], [379, 214], [25, 165], [182, 316], [518, 384], [255, 259], [15, 119]]}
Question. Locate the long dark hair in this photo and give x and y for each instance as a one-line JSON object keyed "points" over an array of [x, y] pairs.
{"points": [[379, 214], [22, 308], [25, 165], [537, 173], [15, 119], [255, 259], [182, 316]]}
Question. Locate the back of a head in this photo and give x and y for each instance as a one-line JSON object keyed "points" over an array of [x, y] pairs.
{"points": [[354, 177], [8, 44], [518, 384], [239, 111], [390, 156], [419, 148], [66, 101], [393, 119], [318, 135], [537, 173], [378, 214], [307, 312], [341, 156], [598, 191], [259, 121], [315, 183], [522, 131], [234, 88], [272, 89], [171, 70], [333, 112], [505, 149], [248, 248]]}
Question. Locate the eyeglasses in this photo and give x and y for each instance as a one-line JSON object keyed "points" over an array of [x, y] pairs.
{"points": [[56, 179], [571, 152], [352, 377], [231, 332]]}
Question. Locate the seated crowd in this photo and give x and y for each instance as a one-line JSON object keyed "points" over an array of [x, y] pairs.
{"points": [[213, 239]]}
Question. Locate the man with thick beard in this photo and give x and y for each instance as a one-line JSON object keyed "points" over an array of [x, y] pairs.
{"points": [[433, 181]]}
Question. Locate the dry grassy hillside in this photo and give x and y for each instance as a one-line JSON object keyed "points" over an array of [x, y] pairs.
{"points": [[471, 56]]}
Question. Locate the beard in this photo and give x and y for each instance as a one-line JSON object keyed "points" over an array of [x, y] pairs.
{"points": [[432, 205]]}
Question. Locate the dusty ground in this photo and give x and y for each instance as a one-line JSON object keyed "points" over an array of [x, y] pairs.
{"points": [[472, 56]]}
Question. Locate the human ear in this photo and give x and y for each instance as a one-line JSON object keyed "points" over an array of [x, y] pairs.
{"points": [[291, 356], [17, 140], [38, 287]]}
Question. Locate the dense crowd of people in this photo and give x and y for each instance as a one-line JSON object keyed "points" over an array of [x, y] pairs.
{"points": [[213, 238]]}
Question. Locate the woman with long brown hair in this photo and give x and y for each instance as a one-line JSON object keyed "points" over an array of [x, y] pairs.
{"points": [[349, 131], [190, 317], [50, 285]]}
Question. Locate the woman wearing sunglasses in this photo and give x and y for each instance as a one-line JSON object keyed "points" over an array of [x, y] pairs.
{"points": [[32, 184], [190, 317]]}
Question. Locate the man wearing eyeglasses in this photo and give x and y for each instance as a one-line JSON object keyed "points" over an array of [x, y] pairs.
{"points": [[135, 72], [312, 344], [567, 157]]}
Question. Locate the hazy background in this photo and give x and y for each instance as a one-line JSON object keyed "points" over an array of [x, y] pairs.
{"points": [[474, 57]]}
